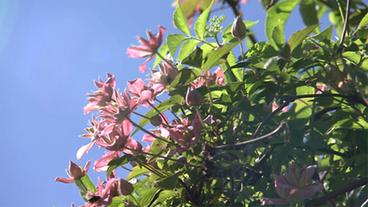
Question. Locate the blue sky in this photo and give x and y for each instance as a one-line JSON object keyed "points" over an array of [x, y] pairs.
{"points": [[50, 53]]}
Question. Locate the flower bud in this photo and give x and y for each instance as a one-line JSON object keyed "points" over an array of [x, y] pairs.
{"points": [[75, 171], [125, 187], [193, 97], [156, 120], [238, 29]]}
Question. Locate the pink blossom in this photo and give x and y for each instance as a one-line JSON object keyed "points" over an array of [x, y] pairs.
{"points": [[103, 95], [193, 97], [276, 106], [185, 132], [102, 163], [140, 91], [162, 78], [74, 172], [209, 79], [107, 191], [113, 137], [296, 185], [123, 105], [147, 48], [321, 88]]}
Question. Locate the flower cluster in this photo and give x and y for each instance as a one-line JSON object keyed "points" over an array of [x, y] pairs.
{"points": [[297, 185], [113, 124]]}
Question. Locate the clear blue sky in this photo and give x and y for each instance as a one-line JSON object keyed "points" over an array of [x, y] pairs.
{"points": [[50, 52]]}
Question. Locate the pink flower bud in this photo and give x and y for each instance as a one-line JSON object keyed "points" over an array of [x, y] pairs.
{"points": [[125, 187], [156, 120], [75, 171], [238, 28], [193, 97]]}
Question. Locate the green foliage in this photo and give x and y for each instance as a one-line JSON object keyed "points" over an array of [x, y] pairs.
{"points": [[303, 101]]}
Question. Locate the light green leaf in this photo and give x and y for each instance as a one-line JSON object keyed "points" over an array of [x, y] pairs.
{"points": [[164, 49], [180, 21], [218, 53], [200, 25], [276, 17], [297, 38], [173, 42], [137, 171], [85, 185], [187, 49], [364, 22], [325, 34]]}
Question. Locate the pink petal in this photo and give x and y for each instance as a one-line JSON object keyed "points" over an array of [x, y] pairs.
{"points": [[84, 149], [101, 164], [64, 180]]}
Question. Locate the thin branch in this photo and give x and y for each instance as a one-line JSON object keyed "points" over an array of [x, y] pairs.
{"points": [[268, 135], [334, 194], [345, 27]]}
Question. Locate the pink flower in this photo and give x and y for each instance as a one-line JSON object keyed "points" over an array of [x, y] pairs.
{"points": [[113, 137], [296, 185], [147, 48], [103, 95], [193, 97], [322, 88], [107, 191], [140, 91], [219, 77], [185, 132], [208, 79], [74, 172], [123, 105], [276, 106], [164, 77]]}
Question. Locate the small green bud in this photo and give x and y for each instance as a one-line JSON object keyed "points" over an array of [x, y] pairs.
{"points": [[238, 29]]}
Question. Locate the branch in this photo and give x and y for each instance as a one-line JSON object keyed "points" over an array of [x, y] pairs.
{"points": [[334, 194], [345, 27], [253, 140]]}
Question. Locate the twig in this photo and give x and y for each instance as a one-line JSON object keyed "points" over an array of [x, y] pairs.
{"points": [[345, 27], [334, 194], [253, 140]]}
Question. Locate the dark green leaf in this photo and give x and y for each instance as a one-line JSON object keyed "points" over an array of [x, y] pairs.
{"points": [[308, 10], [113, 164]]}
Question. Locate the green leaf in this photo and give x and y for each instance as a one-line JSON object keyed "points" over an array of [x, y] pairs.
{"points": [[276, 18], [325, 34], [169, 182], [184, 77], [308, 11], [85, 185], [187, 49], [363, 23], [137, 171], [297, 38], [200, 25], [217, 54], [162, 107], [173, 42], [164, 196], [163, 51], [180, 21], [194, 59], [113, 164]]}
